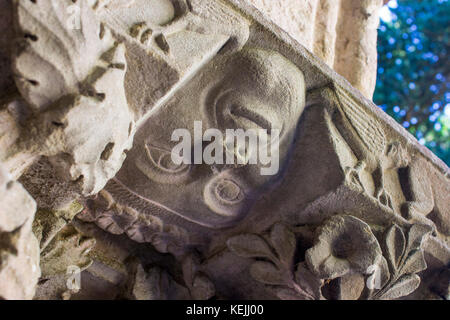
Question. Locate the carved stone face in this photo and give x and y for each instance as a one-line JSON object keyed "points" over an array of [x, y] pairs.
{"points": [[250, 89], [396, 156]]}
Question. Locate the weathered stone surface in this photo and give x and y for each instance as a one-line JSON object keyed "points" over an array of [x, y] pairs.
{"points": [[356, 46], [343, 245], [355, 208], [297, 19], [67, 249], [19, 248], [6, 80], [70, 78]]}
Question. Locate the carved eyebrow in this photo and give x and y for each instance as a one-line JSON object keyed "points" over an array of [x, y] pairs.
{"points": [[254, 117]]}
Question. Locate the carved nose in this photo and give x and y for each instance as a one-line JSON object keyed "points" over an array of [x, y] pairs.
{"points": [[224, 195], [227, 191]]}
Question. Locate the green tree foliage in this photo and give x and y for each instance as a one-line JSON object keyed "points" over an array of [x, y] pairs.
{"points": [[413, 84]]}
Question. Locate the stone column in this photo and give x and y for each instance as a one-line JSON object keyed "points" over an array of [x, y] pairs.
{"points": [[356, 45], [343, 33]]}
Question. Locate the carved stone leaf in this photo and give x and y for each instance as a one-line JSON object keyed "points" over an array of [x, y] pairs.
{"points": [[153, 285], [414, 263], [200, 285], [189, 267], [203, 288], [308, 282], [19, 248], [350, 287], [284, 243], [383, 275], [73, 76], [98, 151], [68, 248], [267, 273], [395, 246], [402, 287], [250, 246], [416, 235], [62, 44]]}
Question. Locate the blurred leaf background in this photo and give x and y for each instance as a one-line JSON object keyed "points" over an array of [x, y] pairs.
{"points": [[413, 84]]}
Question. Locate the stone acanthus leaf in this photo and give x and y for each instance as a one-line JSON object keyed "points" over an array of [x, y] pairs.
{"points": [[47, 223], [68, 249], [345, 249], [77, 43], [199, 285], [276, 270], [71, 76], [344, 244], [307, 281], [250, 246], [402, 287], [19, 248], [152, 285], [406, 258]]}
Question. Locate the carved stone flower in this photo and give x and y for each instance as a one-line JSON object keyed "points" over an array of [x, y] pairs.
{"points": [[343, 244]]}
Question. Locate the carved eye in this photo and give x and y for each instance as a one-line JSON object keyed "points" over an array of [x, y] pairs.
{"points": [[235, 110], [157, 165], [162, 159]]}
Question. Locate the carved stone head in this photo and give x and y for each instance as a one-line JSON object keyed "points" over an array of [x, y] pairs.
{"points": [[250, 89], [396, 156]]}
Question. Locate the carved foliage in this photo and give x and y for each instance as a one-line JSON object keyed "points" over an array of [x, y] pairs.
{"points": [[344, 244], [198, 283], [274, 263], [405, 258], [71, 76], [19, 248], [345, 249], [155, 284], [69, 248], [58, 51]]}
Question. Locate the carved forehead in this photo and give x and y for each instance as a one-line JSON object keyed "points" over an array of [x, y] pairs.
{"points": [[263, 68], [265, 73]]}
